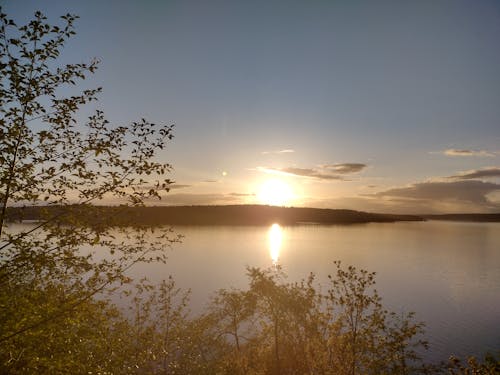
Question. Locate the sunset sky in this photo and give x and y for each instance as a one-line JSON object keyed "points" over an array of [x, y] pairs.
{"points": [[389, 106]]}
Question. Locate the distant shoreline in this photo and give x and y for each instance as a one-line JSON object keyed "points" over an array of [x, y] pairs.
{"points": [[477, 218], [223, 215], [202, 215]]}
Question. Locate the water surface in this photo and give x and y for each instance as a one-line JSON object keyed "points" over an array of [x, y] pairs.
{"points": [[447, 272]]}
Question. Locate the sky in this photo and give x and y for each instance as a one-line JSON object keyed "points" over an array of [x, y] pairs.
{"points": [[388, 106]]}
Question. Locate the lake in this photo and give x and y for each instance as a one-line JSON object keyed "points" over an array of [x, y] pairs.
{"points": [[447, 272]]}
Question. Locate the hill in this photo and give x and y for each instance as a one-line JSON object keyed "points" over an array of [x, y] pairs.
{"points": [[209, 215]]}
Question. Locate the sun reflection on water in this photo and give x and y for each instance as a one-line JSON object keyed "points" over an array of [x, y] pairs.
{"points": [[275, 238]]}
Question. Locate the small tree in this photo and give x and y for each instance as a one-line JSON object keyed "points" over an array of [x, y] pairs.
{"points": [[489, 366], [289, 316], [364, 338], [171, 321], [297, 329], [50, 160]]}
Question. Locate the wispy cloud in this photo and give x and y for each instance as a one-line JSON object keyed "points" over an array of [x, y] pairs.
{"points": [[299, 172], [345, 168], [285, 151], [242, 194], [322, 172], [488, 172], [466, 152], [469, 191], [461, 193], [199, 199], [172, 186], [178, 186], [308, 172], [439, 197]]}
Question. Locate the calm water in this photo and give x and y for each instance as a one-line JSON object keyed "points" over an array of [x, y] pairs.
{"points": [[447, 272]]}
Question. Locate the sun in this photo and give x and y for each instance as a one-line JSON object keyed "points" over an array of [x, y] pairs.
{"points": [[275, 193]]}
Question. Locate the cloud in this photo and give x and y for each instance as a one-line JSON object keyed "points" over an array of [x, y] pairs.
{"points": [[467, 152], [322, 172], [285, 151], [299, 172], [430, 197], [199, 199], [178, 186], [489, 172], [242, 194], [188, 199], [307, 172], [463, 192], [172, 186], [472, 194], [344, 168]]}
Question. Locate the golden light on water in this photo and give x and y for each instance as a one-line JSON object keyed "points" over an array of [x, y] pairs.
{"points": [[275, 193], [275, 239]]}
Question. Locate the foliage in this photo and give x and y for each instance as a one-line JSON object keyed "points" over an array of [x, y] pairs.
{"points": [[51, 271], [294, 328], [490, 366]]}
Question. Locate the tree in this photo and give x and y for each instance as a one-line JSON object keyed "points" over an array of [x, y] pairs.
{"points": [[364, 338], [289, 315], [490, 365], [276, 327], [48, 159]]}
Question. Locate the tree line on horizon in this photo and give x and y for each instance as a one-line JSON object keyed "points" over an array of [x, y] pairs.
{"points": [[204, 215]]}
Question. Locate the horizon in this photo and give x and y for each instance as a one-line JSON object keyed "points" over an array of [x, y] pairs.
{"points": [[386, 107], [257, 205]]}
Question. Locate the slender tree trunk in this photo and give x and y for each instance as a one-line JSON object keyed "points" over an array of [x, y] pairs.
{"points": [[12, 168], [12, 165], [276, 347]]}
